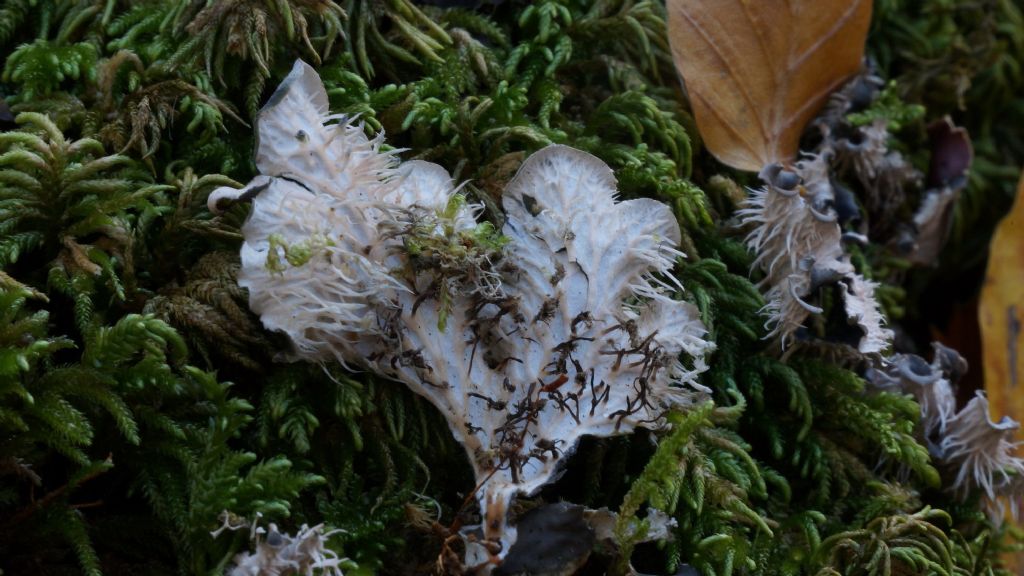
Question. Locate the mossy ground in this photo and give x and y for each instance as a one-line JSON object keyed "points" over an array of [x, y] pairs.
{"points": [[121, 326]]}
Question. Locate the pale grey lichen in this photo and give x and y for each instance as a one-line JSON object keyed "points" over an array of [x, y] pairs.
{"points": [[980, 453], [280, 554], [565, 327], [796, 236], [930, 384], [882, 171], [983, 453]]}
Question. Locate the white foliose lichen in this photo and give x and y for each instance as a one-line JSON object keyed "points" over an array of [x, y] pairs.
{"points": [[798, 242], [561, 327]]}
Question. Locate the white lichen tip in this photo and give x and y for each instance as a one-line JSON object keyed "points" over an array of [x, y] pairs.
{"points": [[276, 553], [561, 325], [930, 386], [984, 453]]}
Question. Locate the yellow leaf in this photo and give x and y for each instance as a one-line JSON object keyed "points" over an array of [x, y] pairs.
{"points": [[757, 71], [1001, 315]]}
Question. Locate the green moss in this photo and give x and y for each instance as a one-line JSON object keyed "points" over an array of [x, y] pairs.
{"points": [[890, 108], [121, 321], [295, 254]]}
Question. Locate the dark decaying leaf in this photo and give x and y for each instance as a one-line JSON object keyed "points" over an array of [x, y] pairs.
{"points": [[6, 117], [952, 153], [553, 540], [951, 159]]}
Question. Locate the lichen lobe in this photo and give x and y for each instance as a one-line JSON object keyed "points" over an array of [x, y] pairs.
{"points": [[565, 325]]}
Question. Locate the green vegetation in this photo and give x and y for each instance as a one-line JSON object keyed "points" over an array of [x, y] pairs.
{"points": [[140, 399]]}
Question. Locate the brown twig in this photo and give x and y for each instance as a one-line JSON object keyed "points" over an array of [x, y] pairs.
{"points": [[37, 505]]}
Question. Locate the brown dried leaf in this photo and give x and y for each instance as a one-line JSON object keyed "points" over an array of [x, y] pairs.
{"points": [[757, 71]]}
